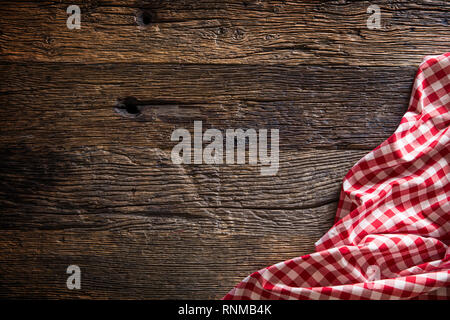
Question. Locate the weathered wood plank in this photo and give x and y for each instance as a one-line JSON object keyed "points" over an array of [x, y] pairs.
{"points": [[231, 32], [143, 181], [324, 107], [139, 263]]}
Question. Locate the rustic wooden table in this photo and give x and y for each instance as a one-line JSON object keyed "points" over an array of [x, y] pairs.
{"points": [[82, 184]]}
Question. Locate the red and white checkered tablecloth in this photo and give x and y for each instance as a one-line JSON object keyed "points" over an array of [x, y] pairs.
{"points": [[392, 231]]}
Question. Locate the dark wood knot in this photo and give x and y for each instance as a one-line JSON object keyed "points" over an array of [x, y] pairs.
{"points": [[128, 107], [144, 18]]}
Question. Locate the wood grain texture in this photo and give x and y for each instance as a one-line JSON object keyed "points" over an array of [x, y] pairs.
{"points": [[316, 107], [224, 32], [138, 263], [82, 184], [141, 180]]}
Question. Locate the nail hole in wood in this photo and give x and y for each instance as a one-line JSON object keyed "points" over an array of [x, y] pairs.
{"points": [[128, 107], [143, 18]]}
